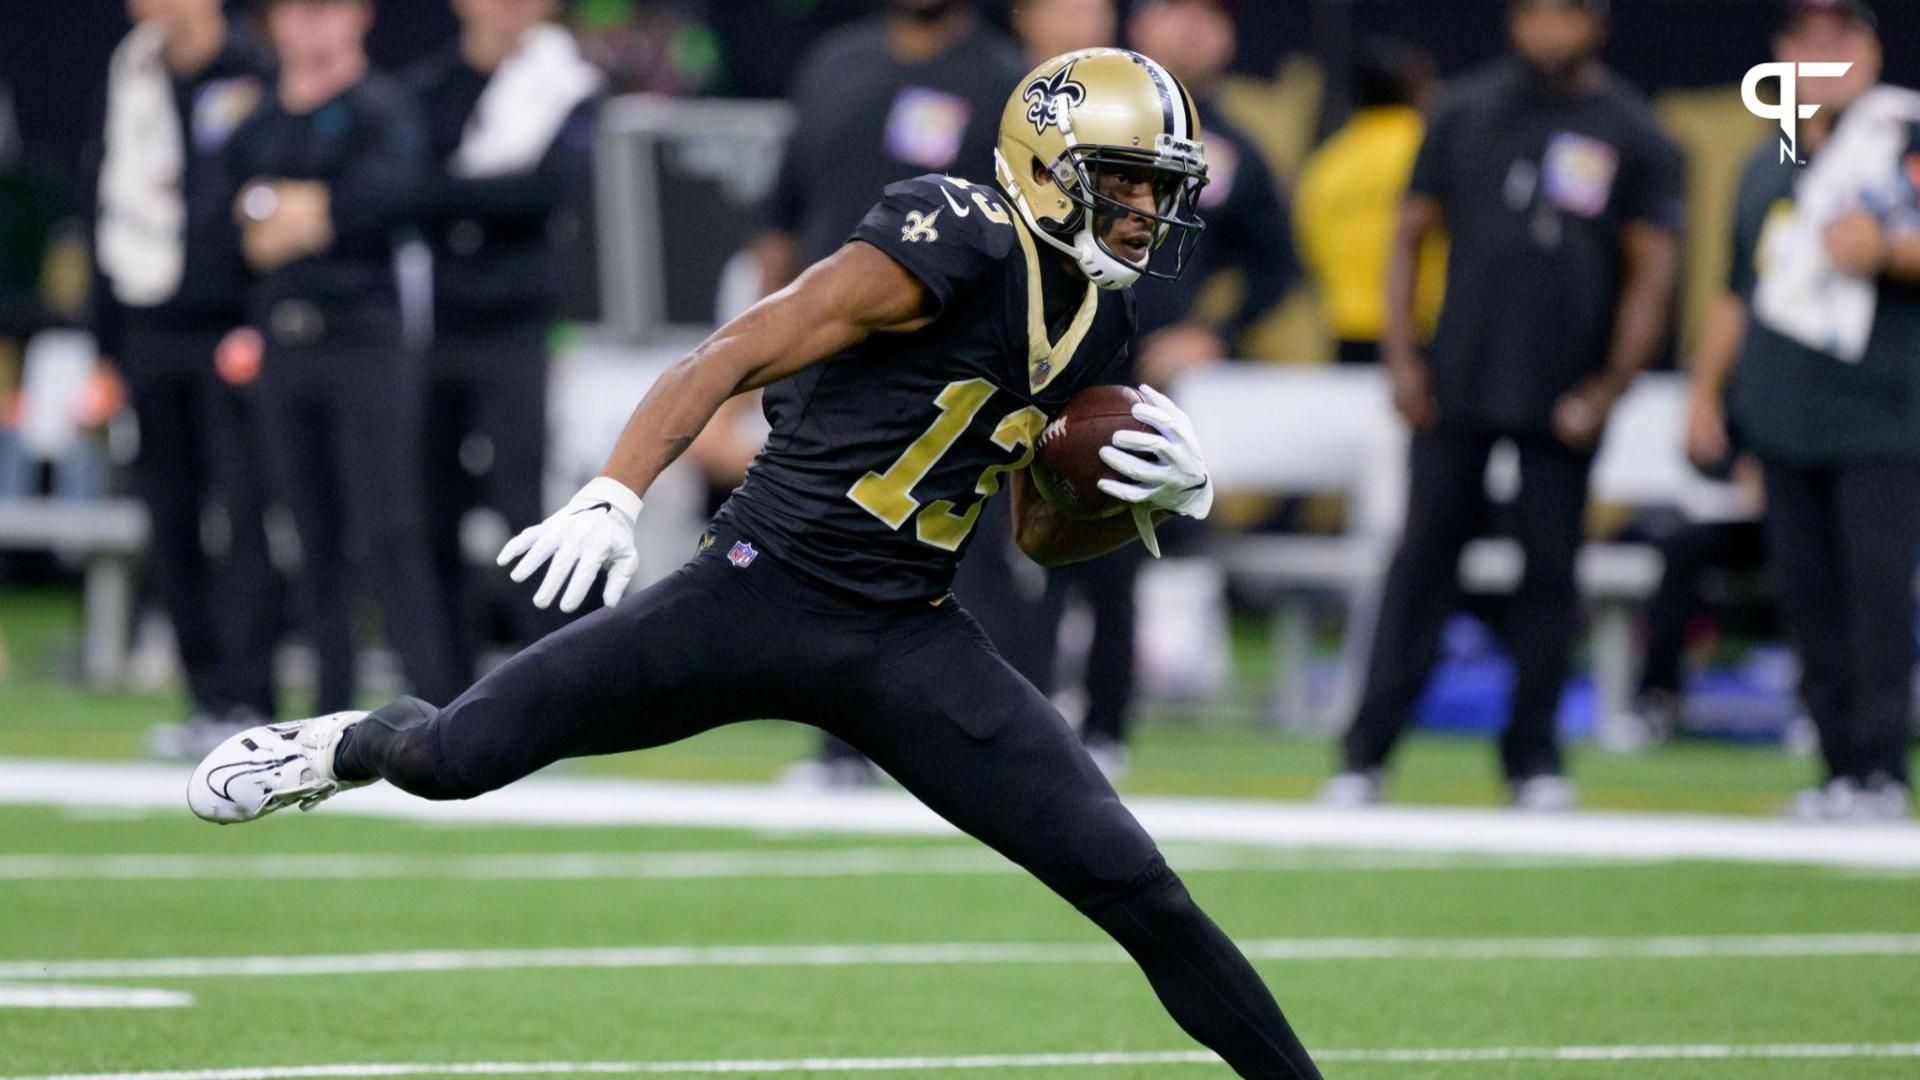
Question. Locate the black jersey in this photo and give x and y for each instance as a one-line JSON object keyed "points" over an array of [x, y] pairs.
{"points": [[882, 456], [367, 145], [210, 105], [494, 256]]}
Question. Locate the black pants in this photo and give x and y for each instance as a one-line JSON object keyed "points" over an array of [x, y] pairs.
{"points": [[199, 445], [1348, 351], [344, 417], [1844, 542], [1020, 606], [1013, 598], [485, 446], [1446, 507], [918, 689], [1689, 553], [1105, 585]]}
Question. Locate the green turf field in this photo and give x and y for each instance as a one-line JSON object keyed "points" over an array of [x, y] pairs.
{"points": [[401, 888], [326, 944], [1225, 749]]}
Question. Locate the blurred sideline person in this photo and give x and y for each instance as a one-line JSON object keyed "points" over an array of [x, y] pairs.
{"points": [[1347, 204], [169, 284], [1815, 350], [1691, 552], [1047, 28], [1247, 221], [26, 227], [328, 169], [10, 127], [1564, 205], [23, 243], [917, 89], [508, 109]]}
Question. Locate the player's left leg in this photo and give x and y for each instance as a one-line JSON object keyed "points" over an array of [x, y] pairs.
{"points": [[510, 412], [446, 449], [253, 591], [304, 474], [376, 402], [943, 714], [169, 477], [692, 652], [1107, 583], [1545, 614], [1879, 517]]}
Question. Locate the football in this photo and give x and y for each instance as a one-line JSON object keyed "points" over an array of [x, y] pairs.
{"points": [[1066, 466]]}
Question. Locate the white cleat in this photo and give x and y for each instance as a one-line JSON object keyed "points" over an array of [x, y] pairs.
{"points": [[1546, 793], [269, 768], [1835, 800], [1110, 757], [1354, 790]]}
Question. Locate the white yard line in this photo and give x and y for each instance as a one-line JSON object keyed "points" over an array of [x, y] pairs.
{"points": [[49, 996], [978, 1062], [1769, 946], [1685, 1052], [1874, 874], [581, 802], [686, 865]]}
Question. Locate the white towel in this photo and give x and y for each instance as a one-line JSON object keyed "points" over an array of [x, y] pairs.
{"points": [[140, 240], [1801, 293], [524, 105]]}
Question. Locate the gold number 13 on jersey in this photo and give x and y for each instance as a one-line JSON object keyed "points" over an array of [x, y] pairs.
{"points": [[889, 495]]}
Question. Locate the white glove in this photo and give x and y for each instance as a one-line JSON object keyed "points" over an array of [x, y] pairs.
{"points": [[593, 530], [1163, 471]]}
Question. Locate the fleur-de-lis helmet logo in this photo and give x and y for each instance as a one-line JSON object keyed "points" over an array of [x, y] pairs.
{"points": [[1043, 110]]}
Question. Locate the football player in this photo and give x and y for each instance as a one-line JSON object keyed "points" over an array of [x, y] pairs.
{"points": [[907, 378]]}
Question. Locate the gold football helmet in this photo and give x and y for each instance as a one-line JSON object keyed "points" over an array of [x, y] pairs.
{"points": [[1102, 108]]}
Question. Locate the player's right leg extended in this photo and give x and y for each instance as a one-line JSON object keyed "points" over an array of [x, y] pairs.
{"points": [[943, 714], [693, 652]]}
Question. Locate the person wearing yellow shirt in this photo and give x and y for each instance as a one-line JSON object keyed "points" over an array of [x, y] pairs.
{"points": [[1348, 202]]}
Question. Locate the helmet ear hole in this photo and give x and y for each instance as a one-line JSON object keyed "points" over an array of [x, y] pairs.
{"points": [[1041, 174]]}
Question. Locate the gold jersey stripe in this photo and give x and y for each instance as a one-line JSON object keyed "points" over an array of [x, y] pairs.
{"points": [[1046, 358]]}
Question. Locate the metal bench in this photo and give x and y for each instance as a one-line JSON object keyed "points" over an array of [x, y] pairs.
{"points": [[108, 537]]}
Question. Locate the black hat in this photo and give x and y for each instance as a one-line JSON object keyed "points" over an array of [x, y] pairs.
{"points": [[1860, 11]]}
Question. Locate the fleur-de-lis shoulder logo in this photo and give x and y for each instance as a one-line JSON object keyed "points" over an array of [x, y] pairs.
{"points": [[919, 227], [1043, 108]]}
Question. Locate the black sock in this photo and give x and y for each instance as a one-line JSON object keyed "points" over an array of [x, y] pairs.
{"points": [[393, 743], [347, 766]]}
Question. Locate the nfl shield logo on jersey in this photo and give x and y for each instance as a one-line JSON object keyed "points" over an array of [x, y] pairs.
{"points": [[742, 554]]}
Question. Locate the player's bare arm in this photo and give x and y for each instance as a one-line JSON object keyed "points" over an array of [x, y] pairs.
{"points": [[1420, 217], [1708, 444], [1051, 538], [1862, 246], [839, 302], [1157, 469], [1651, 254]]}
